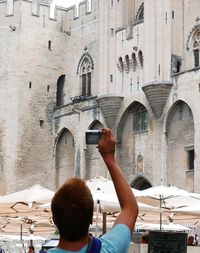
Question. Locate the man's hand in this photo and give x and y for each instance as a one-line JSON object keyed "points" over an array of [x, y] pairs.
{"points": [[107, 142]]}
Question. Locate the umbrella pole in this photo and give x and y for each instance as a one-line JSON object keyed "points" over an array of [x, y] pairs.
{"points": [[21, 232], [104, 223], [97, 217], [160, 214]]}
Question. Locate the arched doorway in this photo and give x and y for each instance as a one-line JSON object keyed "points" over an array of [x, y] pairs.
{"points": [[141, 183], [135, 141], [65, 159], [180, 145]]}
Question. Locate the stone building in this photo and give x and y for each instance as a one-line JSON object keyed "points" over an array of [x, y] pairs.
{"points": [[131, 65]]}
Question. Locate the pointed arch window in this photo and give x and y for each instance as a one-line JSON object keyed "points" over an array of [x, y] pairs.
{"points": [[140, 13], [196, 48], [86, 69]]}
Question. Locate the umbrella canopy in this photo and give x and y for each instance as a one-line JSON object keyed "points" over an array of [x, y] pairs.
{"points": [[104, 185], [190, 210], [109, 203], [8, 237], [27, 226], [160, 195], [166, 227], [29, 196], [19, 214]]}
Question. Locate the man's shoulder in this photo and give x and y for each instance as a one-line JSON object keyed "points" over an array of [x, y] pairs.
{"points": [[116, 240]]}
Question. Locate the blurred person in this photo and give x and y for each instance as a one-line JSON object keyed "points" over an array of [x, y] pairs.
{"points": [[31, 249], [190, 240], [1, 250], [196, 240], [72, 210]]}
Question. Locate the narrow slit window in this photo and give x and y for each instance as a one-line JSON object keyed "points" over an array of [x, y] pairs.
{"points": [[191, 159], [196, 58], [49, 45]]}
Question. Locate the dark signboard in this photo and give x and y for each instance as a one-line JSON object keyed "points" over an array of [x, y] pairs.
{"points": [[167, 242]]}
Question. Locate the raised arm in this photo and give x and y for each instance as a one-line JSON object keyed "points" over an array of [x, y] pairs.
{"points": [[129, 207]]}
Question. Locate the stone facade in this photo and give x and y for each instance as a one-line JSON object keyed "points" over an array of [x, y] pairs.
{"points": [[130, 65]]}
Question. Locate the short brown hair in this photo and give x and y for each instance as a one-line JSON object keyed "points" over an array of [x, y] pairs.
{"points": [[72, 209]]}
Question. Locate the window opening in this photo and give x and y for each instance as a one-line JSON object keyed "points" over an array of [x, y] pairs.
{"points": [[60, 91], [196, 58], [191, 159], [86, 77], [41, 123], [30, 85], [140, 119], [196, 48], [49, 44]]}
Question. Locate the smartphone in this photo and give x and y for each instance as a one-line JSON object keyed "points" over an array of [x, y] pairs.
{"points": [[92, 136]]}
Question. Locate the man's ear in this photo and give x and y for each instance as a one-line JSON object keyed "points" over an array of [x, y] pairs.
{"points": [[91, 221]]}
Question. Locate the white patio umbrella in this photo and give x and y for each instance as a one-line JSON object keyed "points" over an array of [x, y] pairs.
{"points": [[19, 211], [29, 196], [104, 185], [159, 195], [8, 237], [188, 210], [109, 203], [166, 227]]}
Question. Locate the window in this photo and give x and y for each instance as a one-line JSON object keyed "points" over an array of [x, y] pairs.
{"points": [[196, 58], [60, 91], [49, 45], [86, 69], [140, 118], [196, 48], [191, 159]]}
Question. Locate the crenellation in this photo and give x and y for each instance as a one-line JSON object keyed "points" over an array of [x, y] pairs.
{"points": [[68, 17], [10, 8], [83, 8]]}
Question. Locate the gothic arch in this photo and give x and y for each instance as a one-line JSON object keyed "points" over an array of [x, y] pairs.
{"points": [[140, 58], [193, 44], [64, 156], [180, 141], [140, 13], [127, 63], [85, 57], [96, 124], [133, 61], [84, 70], [141, 183], [194, 30], [132, 155], [129, 110]]}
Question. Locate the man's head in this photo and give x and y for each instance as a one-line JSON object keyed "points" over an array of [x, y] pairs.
{"points": [[72, 209]]}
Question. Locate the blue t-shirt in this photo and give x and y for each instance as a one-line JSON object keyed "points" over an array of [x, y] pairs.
{"points": [[117, 240]]}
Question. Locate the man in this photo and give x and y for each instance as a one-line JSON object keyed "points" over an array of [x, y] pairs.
{"points": [[72, 209]]}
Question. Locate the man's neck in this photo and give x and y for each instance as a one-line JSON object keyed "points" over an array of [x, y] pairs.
{"points": [[73, 246]]}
